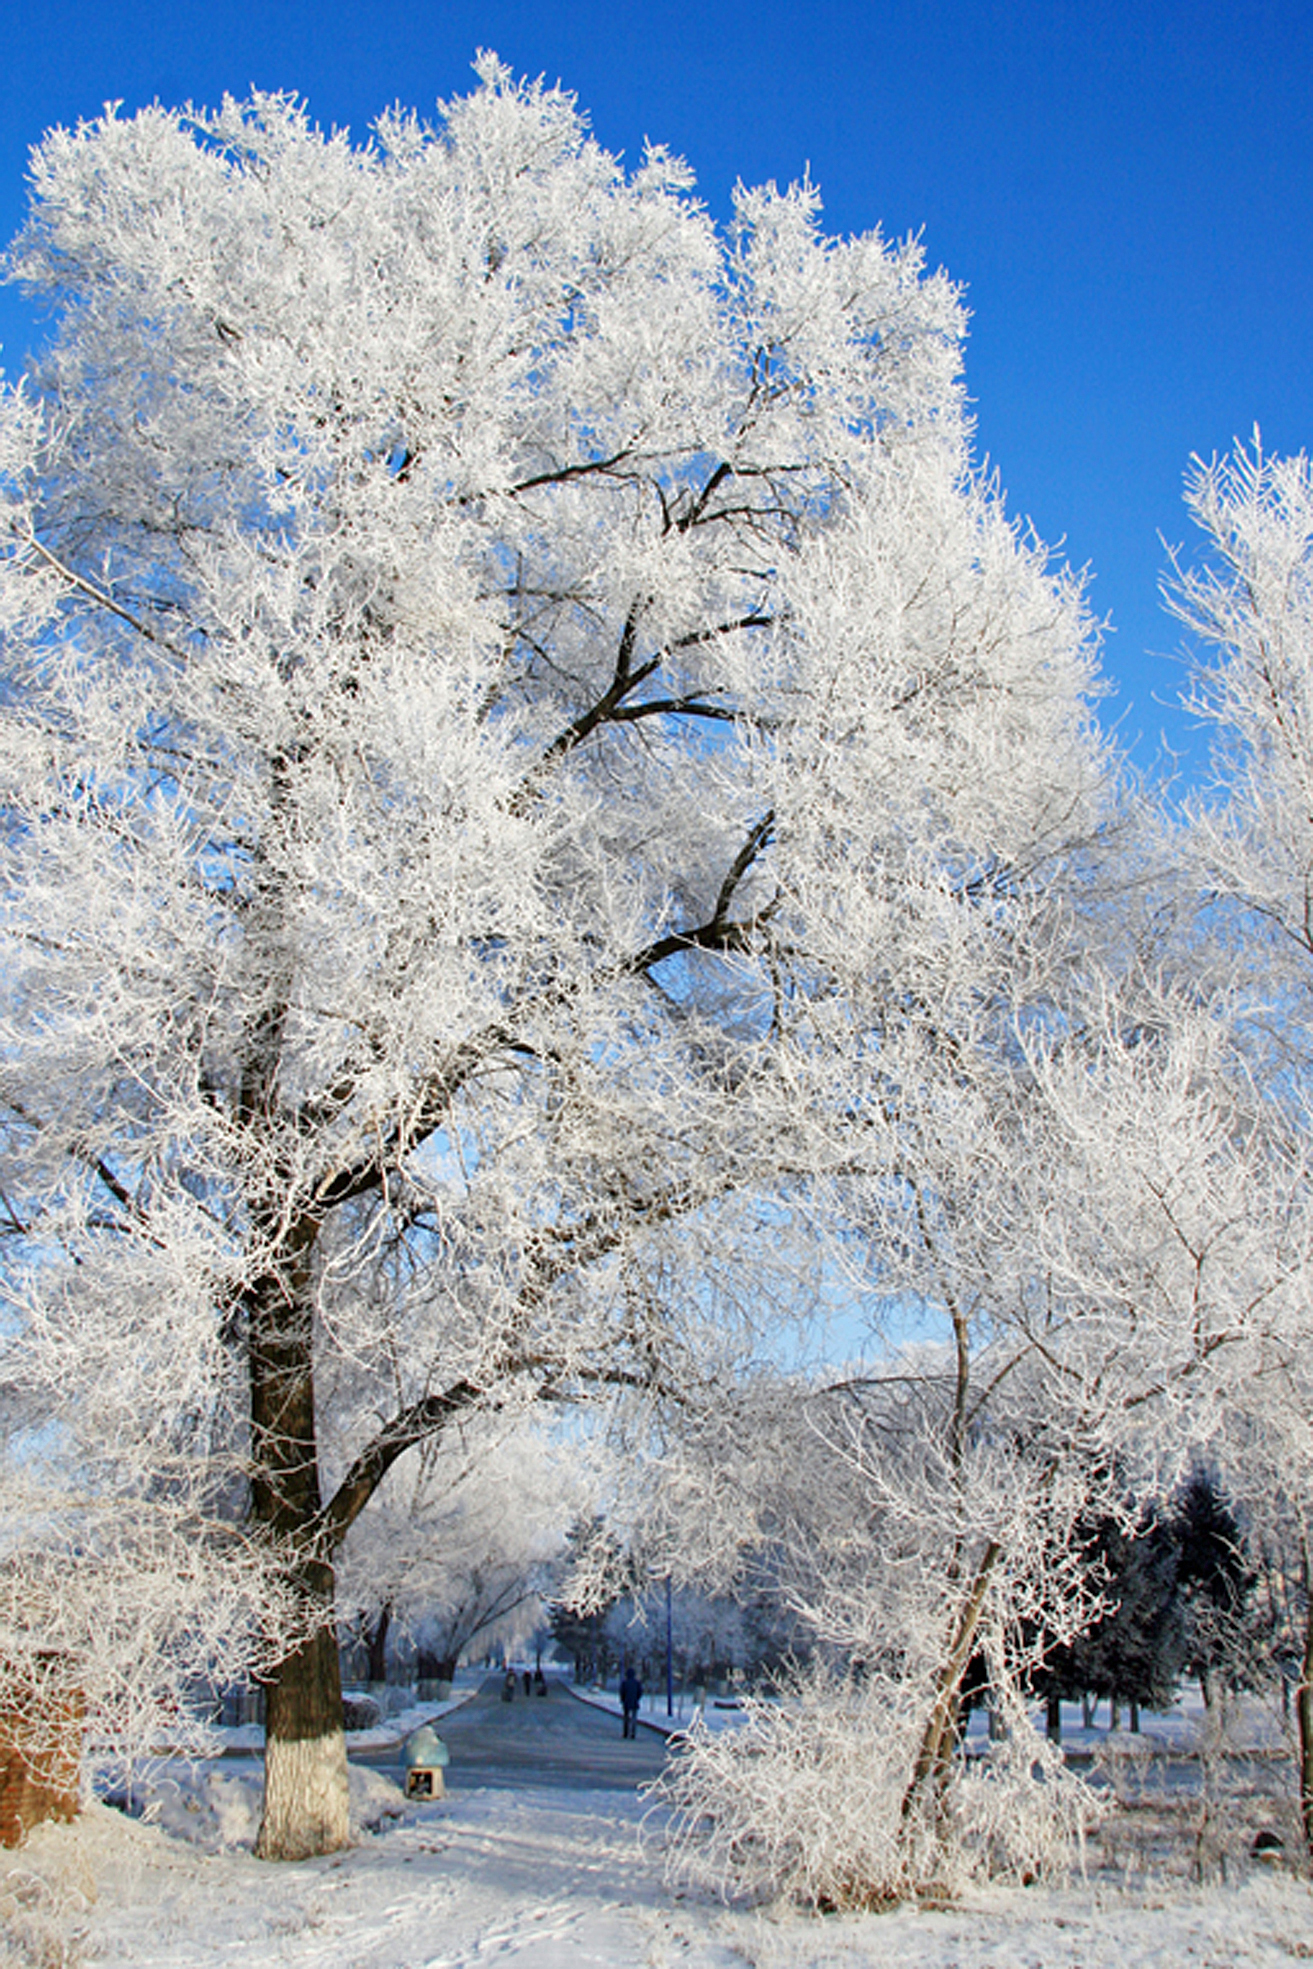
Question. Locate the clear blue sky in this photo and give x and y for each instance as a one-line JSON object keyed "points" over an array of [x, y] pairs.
{"points": [[1126, 191]]}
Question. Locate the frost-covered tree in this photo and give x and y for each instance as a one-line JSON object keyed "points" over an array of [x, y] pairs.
{"points": [[1093, 1233], [706, 1635], [464, 1535], [910, 1562], [1248, 605], [488, 662]]}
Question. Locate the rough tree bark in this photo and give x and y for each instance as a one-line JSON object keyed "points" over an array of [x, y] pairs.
{"points": [[305, 1793]]}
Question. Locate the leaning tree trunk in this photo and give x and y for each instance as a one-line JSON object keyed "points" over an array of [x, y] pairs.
{"points": [[923, 1798], [305, 1767]]}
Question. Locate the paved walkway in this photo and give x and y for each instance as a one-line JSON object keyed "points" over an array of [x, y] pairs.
{"points": [[553, 1740]]}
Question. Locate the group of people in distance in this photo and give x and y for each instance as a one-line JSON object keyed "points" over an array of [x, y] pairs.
{"points": [[535, 1683]]}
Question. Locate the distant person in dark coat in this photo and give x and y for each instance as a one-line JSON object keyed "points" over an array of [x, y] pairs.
{"points": [[631, 1694]]}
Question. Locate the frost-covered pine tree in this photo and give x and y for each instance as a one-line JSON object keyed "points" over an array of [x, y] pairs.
{"points": [[482, 649]]}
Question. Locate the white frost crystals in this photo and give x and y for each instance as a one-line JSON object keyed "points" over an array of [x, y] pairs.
{"points": [[536, 778], [804, 1801]]}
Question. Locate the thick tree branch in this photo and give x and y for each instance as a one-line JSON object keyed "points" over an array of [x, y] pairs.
{"points": [[721, 932], [698, 507], [556, 1253], [613, 706], [421, 1422], [673, 707]]}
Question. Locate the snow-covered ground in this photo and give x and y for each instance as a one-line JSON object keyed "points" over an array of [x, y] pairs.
{"points": [[564, 1880], [713, 1713], [554, 1878], [394, 1728]]}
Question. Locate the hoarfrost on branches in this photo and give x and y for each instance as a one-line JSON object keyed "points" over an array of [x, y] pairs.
{"points": [[460, 1544], [1248, 603], [509, 694]]}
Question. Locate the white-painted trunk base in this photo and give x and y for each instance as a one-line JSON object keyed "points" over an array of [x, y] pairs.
{"points": [[306, 1798]]}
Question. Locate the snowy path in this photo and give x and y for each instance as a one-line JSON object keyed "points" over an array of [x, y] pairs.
{"points": [[538, 1859], [563, 1880]]}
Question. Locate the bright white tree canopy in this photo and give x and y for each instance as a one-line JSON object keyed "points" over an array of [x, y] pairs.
{"points": [[490, 662]]}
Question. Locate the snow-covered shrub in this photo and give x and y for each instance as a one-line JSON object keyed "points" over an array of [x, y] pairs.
{"points": [[118, 1614], [810, 1800]]}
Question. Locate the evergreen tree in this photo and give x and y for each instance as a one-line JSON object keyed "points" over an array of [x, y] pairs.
{"points": [[1217, 1584], [1136, 1649]]}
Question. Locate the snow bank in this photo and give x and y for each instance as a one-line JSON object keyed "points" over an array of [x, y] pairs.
{"points": [[219, 1808]]}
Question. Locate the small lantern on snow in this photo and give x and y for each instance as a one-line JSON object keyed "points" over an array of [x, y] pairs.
{"points": [[426, 1756]]}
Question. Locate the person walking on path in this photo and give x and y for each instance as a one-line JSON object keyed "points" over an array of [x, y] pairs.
{"points": [[631, 1694]]}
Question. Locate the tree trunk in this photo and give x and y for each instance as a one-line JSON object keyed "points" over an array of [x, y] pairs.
{"points": [[305, 1768], [938, 1740], [1053, 1718], [376, 1644], [1304, 1712], [432, 1674], [433, 1667]]}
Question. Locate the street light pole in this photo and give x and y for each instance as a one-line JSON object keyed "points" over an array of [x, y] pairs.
{"points": [[670, 1656]]}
